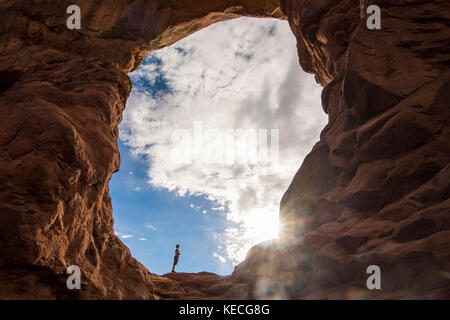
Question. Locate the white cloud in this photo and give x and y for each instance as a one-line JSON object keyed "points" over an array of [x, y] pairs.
{"points": [[126, 236], [242, 73], [221, 258], [151, 227], [142, 239], [196, 208]]}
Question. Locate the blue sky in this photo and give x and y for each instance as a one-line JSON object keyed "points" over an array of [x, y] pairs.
{"points": [[163, 220], [241, 74], [151, 221]]}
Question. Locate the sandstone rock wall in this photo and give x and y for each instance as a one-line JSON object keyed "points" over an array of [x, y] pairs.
{"points": [[62, 93], [375, 189]]}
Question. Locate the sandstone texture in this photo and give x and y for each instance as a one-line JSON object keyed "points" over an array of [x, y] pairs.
{"points": [[207, 285], [374, 190]]}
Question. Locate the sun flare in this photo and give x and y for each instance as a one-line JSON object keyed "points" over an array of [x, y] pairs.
{"points": [[262, 225]]}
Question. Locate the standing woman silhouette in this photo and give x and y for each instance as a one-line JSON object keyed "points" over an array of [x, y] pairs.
{"points": [[175, 259]]}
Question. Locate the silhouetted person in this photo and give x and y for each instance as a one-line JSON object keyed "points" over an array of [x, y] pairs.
{"points": [[175, 259]]}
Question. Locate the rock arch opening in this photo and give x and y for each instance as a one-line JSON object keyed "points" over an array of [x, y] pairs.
{"points": [[238, 80]]}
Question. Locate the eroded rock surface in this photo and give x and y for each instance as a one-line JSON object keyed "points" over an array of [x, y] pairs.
{"points": [[206, 285], [374, 190]]}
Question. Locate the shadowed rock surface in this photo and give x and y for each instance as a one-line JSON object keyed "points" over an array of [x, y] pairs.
{"points": [[207, 285], [374, 190]]}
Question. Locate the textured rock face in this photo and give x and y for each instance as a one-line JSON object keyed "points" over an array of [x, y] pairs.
{"points": [[206, 285], [374, 190], [62, 93]]}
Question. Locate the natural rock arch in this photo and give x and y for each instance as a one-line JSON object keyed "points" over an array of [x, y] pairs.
{"points": [[374, 190]]}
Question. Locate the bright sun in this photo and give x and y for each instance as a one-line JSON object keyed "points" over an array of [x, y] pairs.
{"points": [[262, 225]]}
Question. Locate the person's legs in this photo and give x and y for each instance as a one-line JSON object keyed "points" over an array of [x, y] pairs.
{"points": [[175, 261]]}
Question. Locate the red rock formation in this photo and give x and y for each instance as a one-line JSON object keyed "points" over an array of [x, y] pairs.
{"points": [[62, 93], [374, 190], [206, 285]]}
